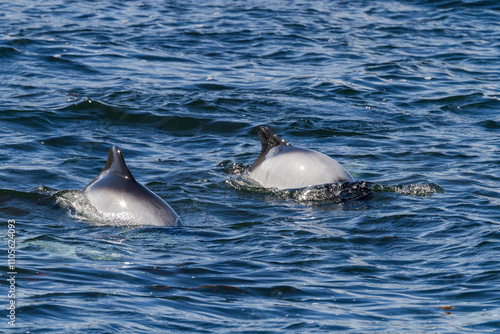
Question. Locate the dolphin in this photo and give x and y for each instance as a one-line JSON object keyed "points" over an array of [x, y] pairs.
{"points": [[283, 166], [116, 193]]}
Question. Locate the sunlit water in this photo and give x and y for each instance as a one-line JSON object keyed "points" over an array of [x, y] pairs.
{"points": [[405, 95]]}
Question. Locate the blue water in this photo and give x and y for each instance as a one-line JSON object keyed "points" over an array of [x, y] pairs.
{"points": [[405, 94]]}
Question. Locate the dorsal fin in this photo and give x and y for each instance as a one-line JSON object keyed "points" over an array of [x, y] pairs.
{"points": [[268, 140], [116, 164]]}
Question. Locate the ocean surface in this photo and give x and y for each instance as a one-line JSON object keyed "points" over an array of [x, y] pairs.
{"points": [[404, 94]]}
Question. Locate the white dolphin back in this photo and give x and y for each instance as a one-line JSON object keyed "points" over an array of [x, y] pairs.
{"points": [[117, 195], [284, 166]]}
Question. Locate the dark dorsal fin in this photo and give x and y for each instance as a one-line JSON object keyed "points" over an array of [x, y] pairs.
{"points": [[268, 140], [116, 164]]}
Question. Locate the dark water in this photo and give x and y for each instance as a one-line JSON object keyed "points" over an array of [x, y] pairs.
{"points": [[405, 94]]}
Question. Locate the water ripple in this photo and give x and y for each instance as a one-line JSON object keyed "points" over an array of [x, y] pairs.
{"points": [[403, 94]]}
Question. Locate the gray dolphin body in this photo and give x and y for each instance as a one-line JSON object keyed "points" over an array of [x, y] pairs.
{"points": [[283, 166], [116, 193]]}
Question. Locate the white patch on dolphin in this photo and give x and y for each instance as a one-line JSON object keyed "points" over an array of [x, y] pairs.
{"points": [[283, 166], [117, 195]]}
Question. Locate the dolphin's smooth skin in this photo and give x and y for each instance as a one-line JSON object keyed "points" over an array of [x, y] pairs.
{"points": [[116, 193], [283, 166]]}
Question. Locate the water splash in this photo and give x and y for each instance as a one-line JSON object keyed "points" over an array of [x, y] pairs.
{"points": [[421, 189], [79, 207], [337, 192]]}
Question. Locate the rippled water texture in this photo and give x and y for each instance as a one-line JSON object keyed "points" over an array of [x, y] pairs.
{"points": [[404, 94]]}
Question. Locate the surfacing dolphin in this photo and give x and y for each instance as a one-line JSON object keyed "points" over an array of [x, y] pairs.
{"points": [[283, 166], [116, 193]]}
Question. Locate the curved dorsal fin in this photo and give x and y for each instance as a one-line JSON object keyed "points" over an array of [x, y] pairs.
{"points": [[268, 140], [116, 164]]}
